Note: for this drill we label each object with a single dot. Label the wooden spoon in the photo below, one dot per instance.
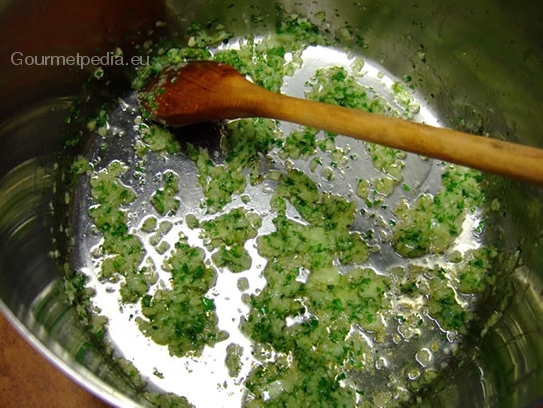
(204, 91)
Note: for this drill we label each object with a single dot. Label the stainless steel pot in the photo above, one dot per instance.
(479, 65)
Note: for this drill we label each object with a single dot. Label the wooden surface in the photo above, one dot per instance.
(27, 379)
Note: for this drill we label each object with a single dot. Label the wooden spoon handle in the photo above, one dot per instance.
(508, 159)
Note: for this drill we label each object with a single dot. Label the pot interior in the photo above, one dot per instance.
(474, 68)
